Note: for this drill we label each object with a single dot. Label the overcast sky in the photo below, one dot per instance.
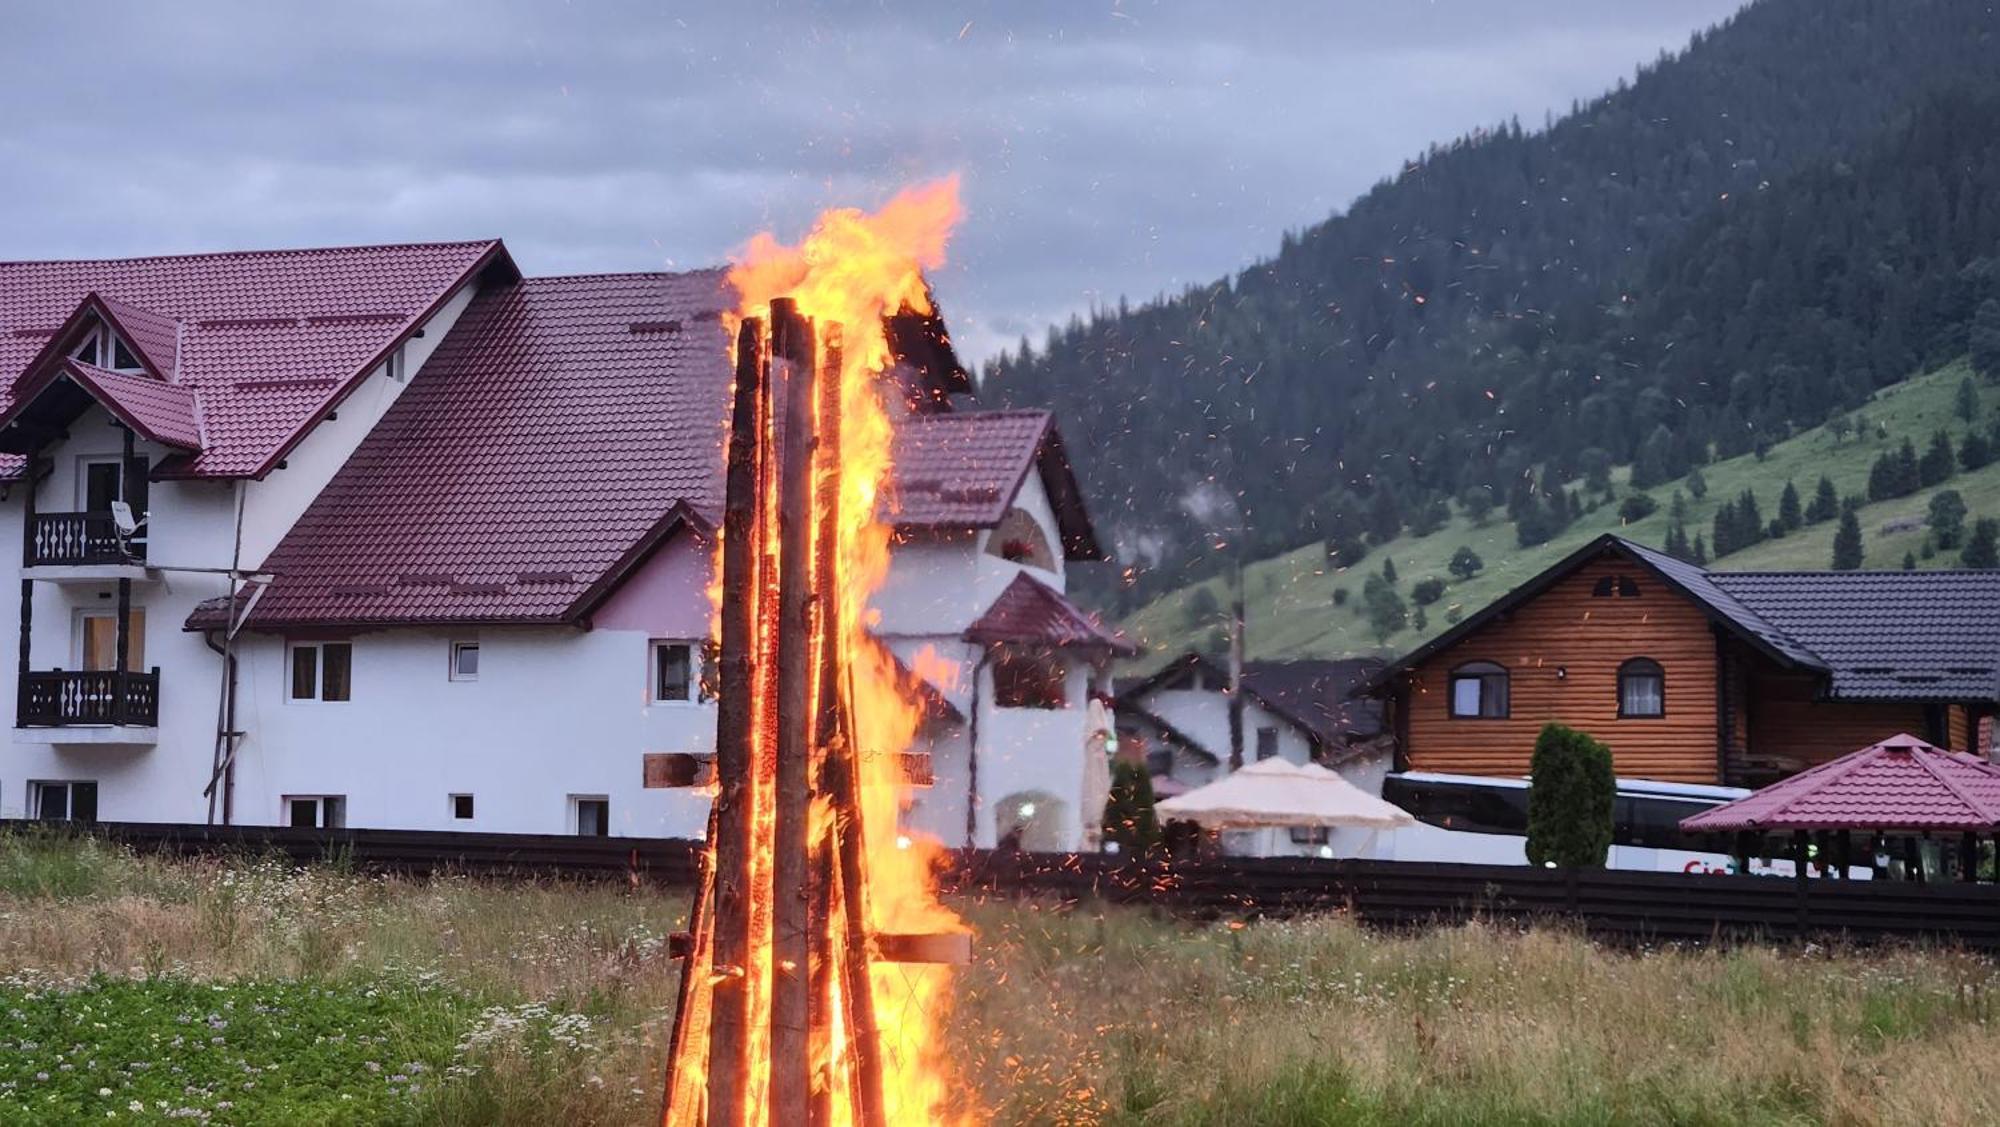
(1107, 148)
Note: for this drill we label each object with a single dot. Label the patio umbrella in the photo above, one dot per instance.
(1099, 738)
(1279, 794)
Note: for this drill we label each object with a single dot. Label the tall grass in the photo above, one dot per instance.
(1080, 1015)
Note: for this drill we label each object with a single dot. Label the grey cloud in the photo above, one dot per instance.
(1107, 148)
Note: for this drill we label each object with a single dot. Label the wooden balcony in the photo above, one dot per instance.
(78, 540)
(89, 698)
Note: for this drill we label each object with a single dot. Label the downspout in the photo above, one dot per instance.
(225, 705)
(972, 756)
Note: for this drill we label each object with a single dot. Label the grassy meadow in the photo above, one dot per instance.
(1289, 599)
(151, 991)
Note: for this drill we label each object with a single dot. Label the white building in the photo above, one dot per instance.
(1177, 722)
(478, 509)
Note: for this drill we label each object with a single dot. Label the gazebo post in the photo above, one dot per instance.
(1843, 854)
(1913, 860)
(1799, 850)
(1742, 852)
(1968, 858)
(1996, 857)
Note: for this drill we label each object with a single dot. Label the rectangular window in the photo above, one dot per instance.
(673, 672)
(461, 807)
(100, 484)
(1267, 743)
(315, 811)
(593, 817)
(65, 801)
(398, 365)
(465, 661)
(1029, 681)
(1311, 835)
(323, 671)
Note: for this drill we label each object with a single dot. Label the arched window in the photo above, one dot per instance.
(1018, 538)
(1479, 689)
(1642, 688)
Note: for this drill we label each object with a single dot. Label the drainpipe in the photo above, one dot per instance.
(225, 706)
(972, 756)
(1236, 674)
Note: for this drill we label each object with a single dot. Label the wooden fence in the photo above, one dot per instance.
(1630, 907)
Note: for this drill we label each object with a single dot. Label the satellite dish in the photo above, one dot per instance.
(122, 519)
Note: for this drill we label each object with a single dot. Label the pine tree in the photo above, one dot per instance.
(1985, 338)
(1938, 461)
(1677, 542)
(1968, 401)
(1129, 817)
(1825, 503)
(1847, 551)
(1700, 556)
(1385, 608)
(1975, 452)
(1909, 561)
(1789, 513)
(1723, 529)
(1389, 568)
(1750, 523)
(1982, 550)
(1946, 518)
(1697, 484)
(1909, 478)
(1571, 792)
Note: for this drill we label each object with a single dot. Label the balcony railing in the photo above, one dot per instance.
(62, 698)
(74, 539)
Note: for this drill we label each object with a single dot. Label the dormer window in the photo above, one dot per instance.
(101, 348)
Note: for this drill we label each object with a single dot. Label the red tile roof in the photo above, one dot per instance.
(1901, 783)
(1030, 612)
(562, 429)
(268, 340)
(164, 412)
(963, 470)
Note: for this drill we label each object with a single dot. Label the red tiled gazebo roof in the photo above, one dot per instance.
(1031, 613)
(1901, 783)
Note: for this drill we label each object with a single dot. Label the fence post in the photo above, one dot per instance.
(1800, 860)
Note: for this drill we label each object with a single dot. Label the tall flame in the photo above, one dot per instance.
(854, 269)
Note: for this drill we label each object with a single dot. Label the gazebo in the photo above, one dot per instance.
(1277, 794)
(1901, 786)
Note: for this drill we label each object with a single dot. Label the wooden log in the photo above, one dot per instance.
(736, 717)
(687, 1045)
(826, 714)
(791, 948)
(951, 948)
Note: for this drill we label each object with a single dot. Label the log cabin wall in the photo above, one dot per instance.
(1790, 730)
(1568, 628)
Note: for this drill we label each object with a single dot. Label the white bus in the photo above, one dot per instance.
(1477, 819)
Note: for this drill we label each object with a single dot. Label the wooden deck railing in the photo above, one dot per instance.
(62, 698)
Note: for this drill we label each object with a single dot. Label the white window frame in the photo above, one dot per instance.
(83, 464)
(453, 670)
(99, 349)
(137, 626)
(35, 794)
(397, 365)
(451, 806)
(653, 648)
(320, 810)
(1276, 742)
(319, 673)
(576, 802)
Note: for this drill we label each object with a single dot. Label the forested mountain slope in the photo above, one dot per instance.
(1800, 208)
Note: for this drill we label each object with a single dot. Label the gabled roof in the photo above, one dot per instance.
(1901, 783)
(1317, 697)
(270, 341)
(1128, 710)
(562, 431)
(1919, 636)
(163, 412)
(1031, 613)
(963, 470)
(1721, 608)
(1894, 635)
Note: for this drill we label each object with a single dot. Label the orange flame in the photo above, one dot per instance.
(854, 269)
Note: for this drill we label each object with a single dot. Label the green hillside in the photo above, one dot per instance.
(1290, 599)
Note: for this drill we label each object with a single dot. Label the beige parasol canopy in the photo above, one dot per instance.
(1277, 793)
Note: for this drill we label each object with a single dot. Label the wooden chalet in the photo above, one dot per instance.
(1699, 676)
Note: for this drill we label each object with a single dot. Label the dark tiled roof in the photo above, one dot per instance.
(963, 470)
(1706, 588)
(1886, 634)
(1318, 695)
(1928, 636)
(1030, 612)
(268, 340)
(546, 444)
(1901, 783)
